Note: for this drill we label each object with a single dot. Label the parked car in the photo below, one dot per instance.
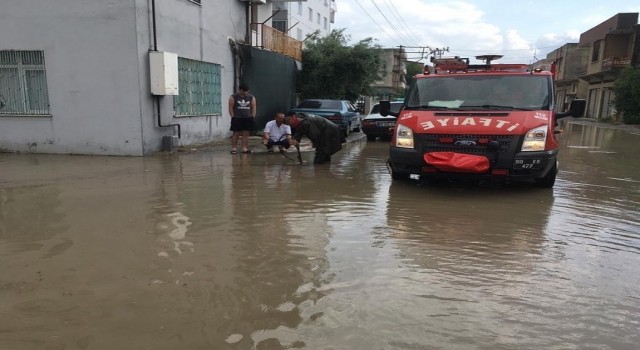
(374, 125)
(341, 112)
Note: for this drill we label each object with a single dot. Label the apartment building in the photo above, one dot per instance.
(394, 75)
(568, 59)
(612, 46)
(300, 19)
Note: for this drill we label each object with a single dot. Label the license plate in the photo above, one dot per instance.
(527, 163)
(384, 124)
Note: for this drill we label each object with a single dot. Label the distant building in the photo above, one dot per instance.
(568, 59)
(393, 82)
(301, 18)
(612, 46)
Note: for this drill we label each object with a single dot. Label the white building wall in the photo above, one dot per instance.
(96, 56)
(304, 15)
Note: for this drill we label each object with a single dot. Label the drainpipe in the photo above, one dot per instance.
(155, 48)
(247, 36)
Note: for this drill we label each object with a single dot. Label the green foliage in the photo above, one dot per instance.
(627, 95)
(413, 68)
(334, 70)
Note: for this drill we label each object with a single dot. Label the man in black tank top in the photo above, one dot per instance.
(242, 108)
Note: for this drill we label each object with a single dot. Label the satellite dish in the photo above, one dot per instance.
(488, 58)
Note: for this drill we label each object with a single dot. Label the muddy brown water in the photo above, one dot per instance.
(206, 250)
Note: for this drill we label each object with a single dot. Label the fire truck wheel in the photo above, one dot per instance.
(550, 179)
(399, 176)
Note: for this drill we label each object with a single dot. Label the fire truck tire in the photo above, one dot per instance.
(399, 176)
(550, 179)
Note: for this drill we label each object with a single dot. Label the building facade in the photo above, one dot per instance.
(394, 75)
(611, 47)
(128, 78)
(568, 59)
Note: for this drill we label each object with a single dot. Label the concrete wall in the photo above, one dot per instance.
(96, 56)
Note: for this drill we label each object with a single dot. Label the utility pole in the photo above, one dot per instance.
(437, 52)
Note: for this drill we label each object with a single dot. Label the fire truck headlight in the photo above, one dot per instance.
(535, 139)
(404, 137)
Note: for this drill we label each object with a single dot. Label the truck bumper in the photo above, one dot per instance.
(520, 166)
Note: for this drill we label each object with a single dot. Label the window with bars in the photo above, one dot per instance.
(199, 88)
(23, 83)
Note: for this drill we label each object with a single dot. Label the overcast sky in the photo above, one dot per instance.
(520, 30)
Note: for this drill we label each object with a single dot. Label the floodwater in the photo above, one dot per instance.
(206, 250)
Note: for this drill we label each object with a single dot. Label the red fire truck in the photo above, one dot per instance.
(478, 121)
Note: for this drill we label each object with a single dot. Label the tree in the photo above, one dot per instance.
(627, 95)
(413, 68)
(331, 69)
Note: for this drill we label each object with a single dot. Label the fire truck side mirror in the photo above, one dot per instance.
(576, 109)
(385, 109)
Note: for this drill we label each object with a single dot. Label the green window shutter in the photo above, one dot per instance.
(199, 90)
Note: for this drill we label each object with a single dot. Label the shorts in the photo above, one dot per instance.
(241, 124)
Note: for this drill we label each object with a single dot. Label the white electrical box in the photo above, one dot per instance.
(163, 68)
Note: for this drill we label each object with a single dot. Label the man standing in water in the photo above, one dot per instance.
(325, 135)
(242, 108)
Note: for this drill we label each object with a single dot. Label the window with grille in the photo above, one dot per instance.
(199, 88)
(23, 83)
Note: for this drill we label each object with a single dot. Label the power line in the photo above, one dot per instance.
(399, 17)
(374, 21)
(393, 27)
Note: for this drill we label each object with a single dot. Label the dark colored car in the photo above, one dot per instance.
(341, 112)
(374, 125)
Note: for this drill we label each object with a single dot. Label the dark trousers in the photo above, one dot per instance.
(284, 143)
(321, 157)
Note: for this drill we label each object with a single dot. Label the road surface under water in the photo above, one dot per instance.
(208, 250)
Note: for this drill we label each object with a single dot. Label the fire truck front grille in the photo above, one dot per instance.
(477, 144)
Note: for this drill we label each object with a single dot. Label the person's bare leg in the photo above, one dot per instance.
(245, 140)
(234, 140)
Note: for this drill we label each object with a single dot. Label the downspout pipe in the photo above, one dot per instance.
(155, 48)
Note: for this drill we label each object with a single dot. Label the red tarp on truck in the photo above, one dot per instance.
(457, 162)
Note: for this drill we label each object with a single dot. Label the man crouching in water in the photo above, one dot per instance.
(325, 136)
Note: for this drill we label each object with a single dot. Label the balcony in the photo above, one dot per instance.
(615, 62)
(268, 38)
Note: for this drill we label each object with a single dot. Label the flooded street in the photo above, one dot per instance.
(207, 250)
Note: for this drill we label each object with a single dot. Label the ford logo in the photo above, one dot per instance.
(465, 143)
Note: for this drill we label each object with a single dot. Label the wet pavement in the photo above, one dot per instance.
(200, 249)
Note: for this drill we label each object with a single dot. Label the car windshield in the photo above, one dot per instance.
(320, 104)
(521, 92)
(395, 107)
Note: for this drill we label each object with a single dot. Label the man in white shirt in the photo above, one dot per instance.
(276, 132)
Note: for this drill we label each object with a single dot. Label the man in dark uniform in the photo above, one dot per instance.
(242, 108)
(325, 135)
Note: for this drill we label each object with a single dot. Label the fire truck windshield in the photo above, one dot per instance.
(527, 92)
